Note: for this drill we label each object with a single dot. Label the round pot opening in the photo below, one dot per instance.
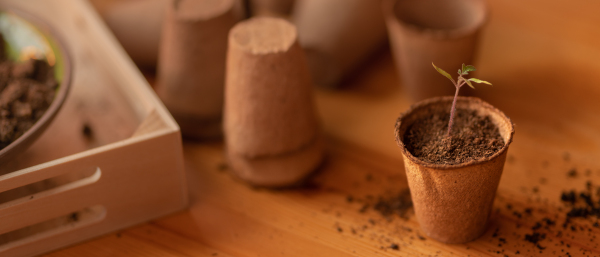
(425, 107)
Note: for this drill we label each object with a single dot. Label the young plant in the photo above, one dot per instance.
(460, 81)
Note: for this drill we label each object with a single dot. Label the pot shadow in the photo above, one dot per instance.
(352, 170)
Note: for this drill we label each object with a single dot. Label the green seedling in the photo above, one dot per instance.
(460, 81)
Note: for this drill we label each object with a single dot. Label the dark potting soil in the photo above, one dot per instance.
(473, 137)
(26, 91)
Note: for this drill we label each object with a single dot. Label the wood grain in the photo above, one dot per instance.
(542, 57)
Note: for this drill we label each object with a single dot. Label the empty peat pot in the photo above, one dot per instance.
(272, 133)
(426, 31)
(453, 202)
(191, 64)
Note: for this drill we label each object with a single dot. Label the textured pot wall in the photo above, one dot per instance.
(453, 206)
(272, 133)
(453, 202)
(191, 70)
(429, 34)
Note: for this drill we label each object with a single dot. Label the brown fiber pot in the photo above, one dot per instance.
(272, 133)
(453, 202)
(191, 64)
(425, 31)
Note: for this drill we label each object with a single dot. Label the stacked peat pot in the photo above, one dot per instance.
(271, 131)
(425, 31)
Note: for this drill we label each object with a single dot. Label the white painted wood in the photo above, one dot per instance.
(139, 168)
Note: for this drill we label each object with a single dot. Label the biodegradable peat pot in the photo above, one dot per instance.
(272, 134)
(191, 68)
(453, 202)
(338, 35)
(426, 31)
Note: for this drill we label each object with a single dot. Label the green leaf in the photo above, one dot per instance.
(466, 69)
(469, 83)
(459, 72)
(480, 81)
(469, 68)
(443, 73)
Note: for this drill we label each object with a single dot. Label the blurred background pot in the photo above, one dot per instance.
(453, 202)
(338, 35)
(191, 70)
(438, 31)
(137, 24)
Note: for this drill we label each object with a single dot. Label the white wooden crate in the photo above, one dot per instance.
(71, 186)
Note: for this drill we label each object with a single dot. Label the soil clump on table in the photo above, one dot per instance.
(26, 91)
(472, 138)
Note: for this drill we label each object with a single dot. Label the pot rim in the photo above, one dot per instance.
(390, 5)
(433, 100)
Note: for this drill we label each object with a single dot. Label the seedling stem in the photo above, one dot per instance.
(460, 81)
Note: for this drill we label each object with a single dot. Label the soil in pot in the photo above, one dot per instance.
(26, 91)
(473, 137)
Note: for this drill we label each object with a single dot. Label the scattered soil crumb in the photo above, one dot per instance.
(74, 217)
(397, 204)
(572, 173)
(566, 156)
(87, 131)
(535, 237)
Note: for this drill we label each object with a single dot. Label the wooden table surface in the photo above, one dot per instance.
(543, 57)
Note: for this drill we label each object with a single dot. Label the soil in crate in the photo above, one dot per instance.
(26, 91)
(473, 137)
